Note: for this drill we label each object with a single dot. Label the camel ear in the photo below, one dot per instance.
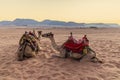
(33, 31)
(70, 33)
(52, 34)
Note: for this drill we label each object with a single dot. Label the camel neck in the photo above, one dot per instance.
(55, 46)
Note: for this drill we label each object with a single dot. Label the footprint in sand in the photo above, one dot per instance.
(109, 65)
(82, 79)
(43, 78)
(65, 74)
(7, 78)
(62, 78)
(30, 72)
(56, 75)
(54, 69)
(50, 65)
(117, 64)
(118, 72)
(92, 78)
(102, 76)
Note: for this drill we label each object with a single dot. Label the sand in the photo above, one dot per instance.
(106, 43)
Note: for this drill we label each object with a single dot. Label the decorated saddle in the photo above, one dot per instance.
(28, 38)
(76, 46)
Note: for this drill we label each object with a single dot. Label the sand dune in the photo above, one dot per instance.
(106, 42)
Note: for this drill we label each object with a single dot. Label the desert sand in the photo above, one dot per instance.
(106, 43)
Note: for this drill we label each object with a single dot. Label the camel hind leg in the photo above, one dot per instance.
(25, 52)
(20, 52)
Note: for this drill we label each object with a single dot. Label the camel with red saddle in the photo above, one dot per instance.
(73, 48)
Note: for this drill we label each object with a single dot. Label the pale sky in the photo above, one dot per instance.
(89, 11)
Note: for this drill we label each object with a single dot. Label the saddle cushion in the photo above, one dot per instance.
(76, 46)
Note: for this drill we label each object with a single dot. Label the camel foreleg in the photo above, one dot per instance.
(94, 58)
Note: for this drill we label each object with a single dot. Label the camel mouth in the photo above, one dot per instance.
(40, 32)
(43, 35)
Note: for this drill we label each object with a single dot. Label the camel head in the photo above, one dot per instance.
(39, 33)
(48, 35)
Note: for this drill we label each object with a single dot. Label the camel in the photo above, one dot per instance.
(29, 45)
(65, 53)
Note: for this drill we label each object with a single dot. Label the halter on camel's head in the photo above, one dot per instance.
(48, 35)
(39, 32)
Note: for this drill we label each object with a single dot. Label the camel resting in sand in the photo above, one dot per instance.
(29, 45)
(64, 53)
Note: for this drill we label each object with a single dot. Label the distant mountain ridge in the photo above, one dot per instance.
(52, 23)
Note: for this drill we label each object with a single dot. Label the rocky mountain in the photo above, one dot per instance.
(52, 23)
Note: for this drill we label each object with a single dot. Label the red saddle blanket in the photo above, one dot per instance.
(76, 45)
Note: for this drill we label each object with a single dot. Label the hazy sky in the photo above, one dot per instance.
(107, 11)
